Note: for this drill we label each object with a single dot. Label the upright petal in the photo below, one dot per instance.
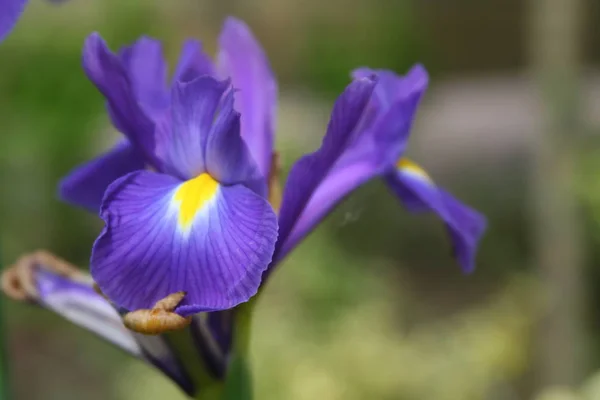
(10, 11)
(181, 139)
(242, 59)
(396, 95)
(418, 193)
(86, 184)
(392, 87)
(110, 76)
(311, 170)
(228, 159)
(147, 70)
(163, 236)
(193, 63)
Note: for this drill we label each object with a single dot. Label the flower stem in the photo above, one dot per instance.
(238, 385)
(214, 392)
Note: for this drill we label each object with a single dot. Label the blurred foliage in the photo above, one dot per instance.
(590, 390)
(379, 38)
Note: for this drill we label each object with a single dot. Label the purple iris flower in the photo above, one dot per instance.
(10, 11)
(199, 222)
(184, 196)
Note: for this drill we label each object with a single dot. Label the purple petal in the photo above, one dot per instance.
(242, 59)
(181, 140)
(418, 193)
(85, 185)
(193, 63)
(110, 76)
(392, 87)
(10, 11)
(228, 159)
(383, 135)
(338, 184)
(311, 170)
(163, 236)
(147, 71)
(80, 304)
(399, 96)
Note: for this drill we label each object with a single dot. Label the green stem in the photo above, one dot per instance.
(238, 385)
(243, 327)
(210, 393)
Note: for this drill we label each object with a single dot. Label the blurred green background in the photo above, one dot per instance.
(371, 306)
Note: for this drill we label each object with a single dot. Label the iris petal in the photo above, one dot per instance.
(181, 139)
(80, 304)
(228, 158)
(147, 70)
(420, 194)
(203, 134)
(144, 253)
(110, 76)
(242, 59)
(193, 63)
(392, 87)
(10, 11)
(85, 185)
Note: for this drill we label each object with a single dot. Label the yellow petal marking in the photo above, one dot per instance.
(192, 195)
(406, 165)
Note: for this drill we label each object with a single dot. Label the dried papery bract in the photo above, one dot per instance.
(160, 318)
(11, 285)
(18, 280)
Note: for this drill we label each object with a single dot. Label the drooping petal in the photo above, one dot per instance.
(10, 11)
(163, 236)
(110, 76)
(242, 59)
(85, 185)
(384, 133)
(310, 171)
(181, 139)
(193, 63)
(145, 64)
(419, 193)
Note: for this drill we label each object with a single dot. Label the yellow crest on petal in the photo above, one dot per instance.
(192, 196)
(409, 167)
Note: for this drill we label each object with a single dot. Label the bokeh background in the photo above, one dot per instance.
(371, 306)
